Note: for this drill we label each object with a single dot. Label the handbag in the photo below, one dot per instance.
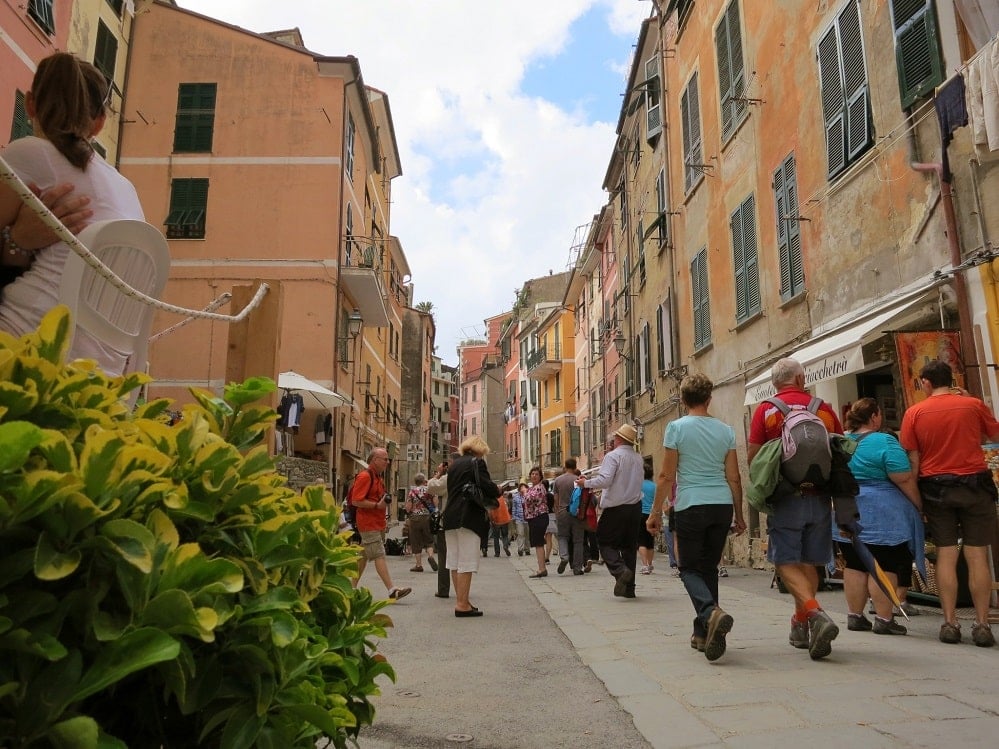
(473, 491)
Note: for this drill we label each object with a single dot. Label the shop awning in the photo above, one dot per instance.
(835, 354)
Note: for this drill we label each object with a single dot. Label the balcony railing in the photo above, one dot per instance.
(543, 362)
(361, 277)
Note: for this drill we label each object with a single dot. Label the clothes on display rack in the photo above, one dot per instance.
(952, 112)
(983, 97)
(324, 428)
(290, 412)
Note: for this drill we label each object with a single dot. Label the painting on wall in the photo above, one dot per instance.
(917, 348)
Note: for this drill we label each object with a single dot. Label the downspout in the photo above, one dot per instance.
(337, 443)
(972, 374)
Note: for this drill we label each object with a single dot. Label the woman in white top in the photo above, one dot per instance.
(68, 106)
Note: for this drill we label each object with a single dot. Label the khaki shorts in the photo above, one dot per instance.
(374, 544)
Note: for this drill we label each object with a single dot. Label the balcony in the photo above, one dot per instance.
(543, 363)
(361, 279)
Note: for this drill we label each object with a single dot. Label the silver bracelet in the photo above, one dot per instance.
(9, 245)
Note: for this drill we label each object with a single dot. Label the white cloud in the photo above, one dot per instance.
(494, 182)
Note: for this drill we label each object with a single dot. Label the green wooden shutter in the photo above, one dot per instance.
(792, 277)
(917, 49)
(690, 115)
(731, 69)
(855, 89)
(833, 103)
(699, 287)
(106, 51)
(20, 125)
(653, 108)
(750, 256)
(739, 264)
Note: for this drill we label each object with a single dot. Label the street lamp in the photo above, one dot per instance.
(619, 343)
(354, 323)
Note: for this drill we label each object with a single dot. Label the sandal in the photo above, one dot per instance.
(417, 568)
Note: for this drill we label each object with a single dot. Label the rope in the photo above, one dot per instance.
(8, 177)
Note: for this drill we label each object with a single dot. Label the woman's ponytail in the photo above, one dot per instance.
(68, 95)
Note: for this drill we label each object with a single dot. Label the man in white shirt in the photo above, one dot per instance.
(620, 479)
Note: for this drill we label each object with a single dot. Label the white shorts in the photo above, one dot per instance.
(463, 550)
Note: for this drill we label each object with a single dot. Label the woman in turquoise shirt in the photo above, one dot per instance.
(890, 516)
(700, 457)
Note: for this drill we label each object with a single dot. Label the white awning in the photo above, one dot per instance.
(834, 355)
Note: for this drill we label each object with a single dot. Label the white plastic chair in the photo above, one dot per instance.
(138, 254)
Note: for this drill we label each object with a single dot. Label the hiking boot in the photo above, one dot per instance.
(858, 623)
(981, 635)
(697, 643)
(588, 567)
(950, 633)
(624, 581)
(562, 565)
(507, 550)
(822, 630)
(719, 625)
(889, 627)
(799, 634)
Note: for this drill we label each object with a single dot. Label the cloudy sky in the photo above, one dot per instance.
(505, 115)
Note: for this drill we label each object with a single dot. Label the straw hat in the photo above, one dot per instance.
(628, 433)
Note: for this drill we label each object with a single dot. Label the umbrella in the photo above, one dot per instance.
(323, 395)
(853, 531)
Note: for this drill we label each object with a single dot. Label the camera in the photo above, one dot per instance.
(387, 498)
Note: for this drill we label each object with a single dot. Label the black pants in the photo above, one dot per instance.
(700, 532)
(617, 534)
(443, 573)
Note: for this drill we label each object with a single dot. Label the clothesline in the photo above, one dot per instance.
(963, 67)
(8, 176)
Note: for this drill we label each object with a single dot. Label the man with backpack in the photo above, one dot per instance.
(370, 500)
(571, 529)
(799, 526)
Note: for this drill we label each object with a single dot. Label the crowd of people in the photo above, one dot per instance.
(874, 496)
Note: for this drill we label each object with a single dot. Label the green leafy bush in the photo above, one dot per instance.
(160, 586)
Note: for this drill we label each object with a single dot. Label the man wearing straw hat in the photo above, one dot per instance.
(620, 479)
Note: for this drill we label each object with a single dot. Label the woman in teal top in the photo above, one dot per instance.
(646, 541)
(890, 519)
(700, 457)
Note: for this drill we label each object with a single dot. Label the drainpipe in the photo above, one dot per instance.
(972, 374)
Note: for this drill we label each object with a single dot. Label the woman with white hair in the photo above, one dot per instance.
(466, 521)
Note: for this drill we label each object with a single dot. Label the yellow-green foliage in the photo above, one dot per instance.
(160, 585)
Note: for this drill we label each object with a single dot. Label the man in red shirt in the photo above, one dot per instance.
(368, 497)
(800, 526)
(943, 435)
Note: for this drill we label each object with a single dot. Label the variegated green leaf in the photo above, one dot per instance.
(17, 440)
(52, 563)
(134, 542)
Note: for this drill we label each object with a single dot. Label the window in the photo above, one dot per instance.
(195, 118)
(702, 309)
(643, 350)
(106, 51)
(475, 392)
(846, 107)
(792, 274)
(474, 425)
(20, 125)
(690, 119)
(116, 5)
(731, 70)
(348, 148)
(653, 110)
(534, 392)
(558, 386)
(555, 447)
(640, 251)
(188, 207)
(664, 330)
(41, 12)
(661, 225)
(349, 233)
(745, 260)
(464, 395)
(917, 49)
(546, 395)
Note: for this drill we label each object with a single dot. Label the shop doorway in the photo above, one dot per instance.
(880, 385)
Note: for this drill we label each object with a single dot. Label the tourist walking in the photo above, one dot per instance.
(419, 507)
(699, 457)
(536, 515)
(620, 478)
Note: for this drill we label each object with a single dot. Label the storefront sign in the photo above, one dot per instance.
(918, 348)
(827, 368)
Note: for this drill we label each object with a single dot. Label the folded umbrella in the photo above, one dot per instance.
(852, 530)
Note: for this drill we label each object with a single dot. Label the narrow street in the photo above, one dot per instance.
(559, 662)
